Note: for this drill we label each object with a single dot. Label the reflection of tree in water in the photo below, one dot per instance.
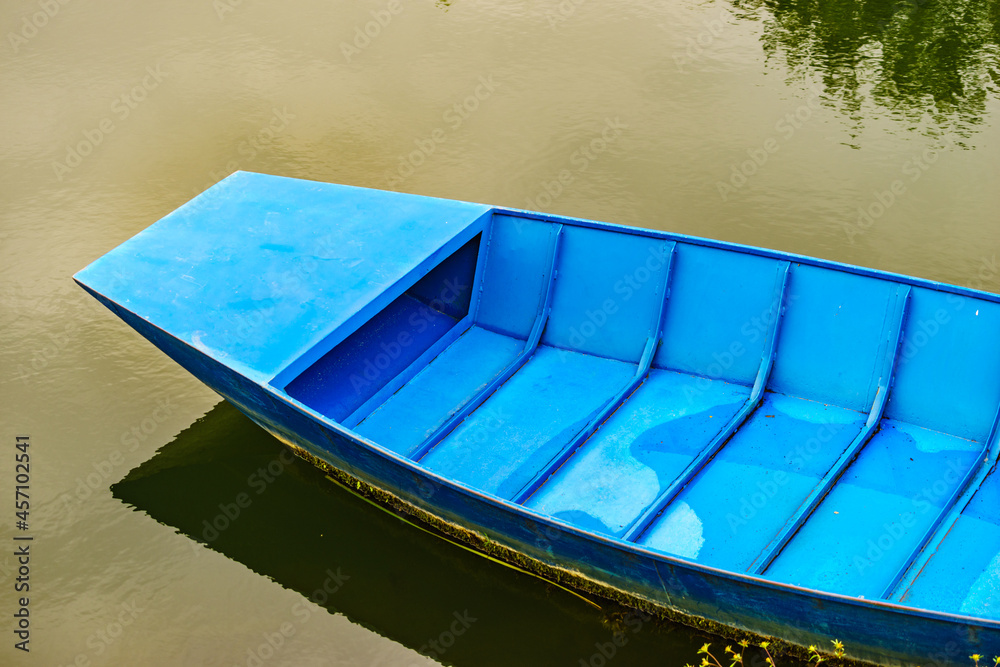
(912, 57)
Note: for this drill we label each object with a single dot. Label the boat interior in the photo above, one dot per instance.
(820, 426)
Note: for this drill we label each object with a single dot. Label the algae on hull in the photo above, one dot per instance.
(559, 576)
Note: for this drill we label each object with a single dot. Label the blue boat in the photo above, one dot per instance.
(762, 442)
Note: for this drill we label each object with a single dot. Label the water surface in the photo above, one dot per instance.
(860, 132)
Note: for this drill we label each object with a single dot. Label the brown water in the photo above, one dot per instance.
(861, 133)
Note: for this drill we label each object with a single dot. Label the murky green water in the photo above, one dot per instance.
(865, 133)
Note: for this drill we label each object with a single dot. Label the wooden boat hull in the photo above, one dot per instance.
(261, 382)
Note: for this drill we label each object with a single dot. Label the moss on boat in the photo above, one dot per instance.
(559, 576)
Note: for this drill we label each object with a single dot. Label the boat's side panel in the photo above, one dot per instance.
(948, 378)
(831, 336)
(717, 315)
(243, 393)
(758, 251)
(516, 274)
(876, 633)
(608, 293)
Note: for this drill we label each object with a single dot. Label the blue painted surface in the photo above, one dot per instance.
(673, 415)
(758, 479)
(368, 359)
(528, 420)
(516, 275)
(344, 380)
(885, 369)
(262, 252)
(718, 314)
(664, 262)
(422, 405)
(830, 337)
(871, 521)
(606, 298)
(949, 363)
(964, 575)
(764, 368)
(644, 446)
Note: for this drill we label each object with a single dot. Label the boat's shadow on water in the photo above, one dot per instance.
(229, 485)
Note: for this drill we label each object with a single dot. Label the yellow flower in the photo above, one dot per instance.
(704, 649)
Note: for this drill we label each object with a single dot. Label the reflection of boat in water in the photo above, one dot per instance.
(312, 537)
(783, 445)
